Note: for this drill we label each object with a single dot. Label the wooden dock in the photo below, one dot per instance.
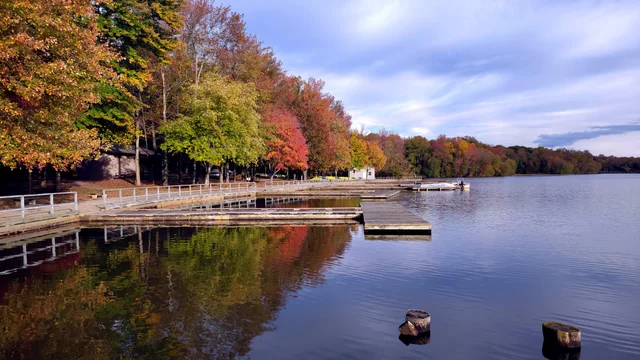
(392, 218)
(379, 194)
(291, 216)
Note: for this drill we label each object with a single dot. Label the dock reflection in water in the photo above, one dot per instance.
(163, 292)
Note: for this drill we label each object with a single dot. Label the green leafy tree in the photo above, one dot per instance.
(221, 124)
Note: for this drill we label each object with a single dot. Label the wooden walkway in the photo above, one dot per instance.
(392, 218)
(292, 216)
(380, 194)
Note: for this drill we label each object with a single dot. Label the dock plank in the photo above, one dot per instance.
(391, 217)
(380, 194)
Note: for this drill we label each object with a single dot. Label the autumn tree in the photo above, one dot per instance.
(375, 155)
(286, 146)
(359, 155)
(50, 66)
(313, 108)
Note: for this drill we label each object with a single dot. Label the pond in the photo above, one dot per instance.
(504, 257)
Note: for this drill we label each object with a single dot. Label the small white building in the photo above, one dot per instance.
(365, 174)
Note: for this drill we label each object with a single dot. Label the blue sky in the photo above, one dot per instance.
(551, 73)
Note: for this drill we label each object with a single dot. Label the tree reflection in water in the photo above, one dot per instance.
(166, 292)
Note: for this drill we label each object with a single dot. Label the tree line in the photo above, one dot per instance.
(185, 78)
(466, 156)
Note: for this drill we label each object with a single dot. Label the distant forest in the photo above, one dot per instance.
(466, 156)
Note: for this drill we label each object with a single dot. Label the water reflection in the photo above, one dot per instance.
(555, 353)
(164, 292)
(38, 250)
(421, 339)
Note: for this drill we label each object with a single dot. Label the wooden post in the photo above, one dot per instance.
(22, 209)
(51, 202)
(75, 201)
(561, 335)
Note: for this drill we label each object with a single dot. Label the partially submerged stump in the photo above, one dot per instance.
(420, 319)
(408, 329)
(561, 335)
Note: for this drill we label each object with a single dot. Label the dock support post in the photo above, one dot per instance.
(51, 202)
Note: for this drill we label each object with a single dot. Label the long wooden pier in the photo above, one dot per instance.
(292, 216)
(392, 218)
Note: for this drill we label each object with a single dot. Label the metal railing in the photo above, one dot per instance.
(114, 198)
(28, 205)
(281, 185)
(397, 178)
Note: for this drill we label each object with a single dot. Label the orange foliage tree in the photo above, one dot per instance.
(50, 64)
(287, 147)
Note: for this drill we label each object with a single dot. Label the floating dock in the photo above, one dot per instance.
(379, 195)
(392, 218)
(308, 216)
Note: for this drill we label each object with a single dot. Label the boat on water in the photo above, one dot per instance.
(458, 184)
(438, 186)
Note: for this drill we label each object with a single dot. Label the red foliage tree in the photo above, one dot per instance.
(287, 145)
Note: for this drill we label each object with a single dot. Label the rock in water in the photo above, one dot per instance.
(561, 335)
(407, 328)
(420, 319)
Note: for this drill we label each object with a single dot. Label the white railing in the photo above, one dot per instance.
(397, 178)
(114, 198)
(24, 206)
(279, 185)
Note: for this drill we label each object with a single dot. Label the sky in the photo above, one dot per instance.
(512, 72)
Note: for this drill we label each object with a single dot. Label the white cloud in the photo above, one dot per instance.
(503, 71)
(618, 145)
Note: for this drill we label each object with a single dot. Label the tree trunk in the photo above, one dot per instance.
(304, 175)
(165, 156)
(206, 179)
(560, 335)
(195, 175)
(221, 173)
(30, 181)
(138, 182)
(273, 174)
(154, 143)
(227, 175)
(43, 181)
(180, 171)
(58, 181)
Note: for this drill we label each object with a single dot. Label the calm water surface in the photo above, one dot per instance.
(504, 257)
